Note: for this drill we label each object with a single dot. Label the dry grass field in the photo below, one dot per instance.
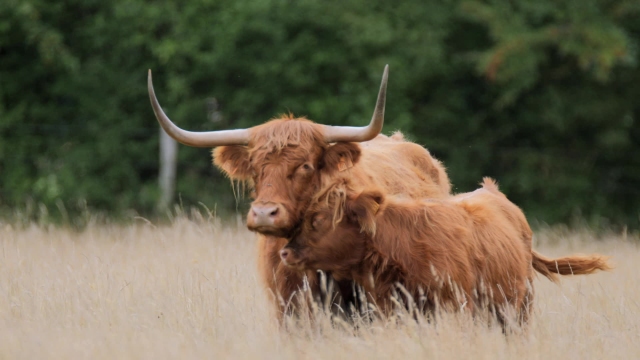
(190, 290)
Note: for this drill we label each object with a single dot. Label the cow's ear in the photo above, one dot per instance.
(234, 160)
(363, 209)
(340, 156)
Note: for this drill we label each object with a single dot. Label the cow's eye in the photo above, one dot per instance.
(303, 171)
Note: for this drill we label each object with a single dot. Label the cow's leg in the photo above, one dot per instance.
(349, 300)
(345, 299)
(268, 261)
(527, 304)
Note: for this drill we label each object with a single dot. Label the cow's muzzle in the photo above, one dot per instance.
(267, 218)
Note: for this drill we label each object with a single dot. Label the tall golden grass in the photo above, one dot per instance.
(190, 290)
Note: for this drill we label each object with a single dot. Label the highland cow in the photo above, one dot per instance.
(287, 160)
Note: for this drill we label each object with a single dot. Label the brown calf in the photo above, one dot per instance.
(466, 251)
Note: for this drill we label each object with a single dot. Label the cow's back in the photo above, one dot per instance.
(399, 167)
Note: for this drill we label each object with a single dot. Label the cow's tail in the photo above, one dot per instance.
(569, 265)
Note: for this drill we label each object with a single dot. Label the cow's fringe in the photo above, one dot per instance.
(335, 197)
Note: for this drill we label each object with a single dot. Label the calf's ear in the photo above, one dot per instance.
(363, 209)
(340, 156)
(234, 161)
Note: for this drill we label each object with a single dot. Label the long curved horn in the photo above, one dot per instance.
(364, 133)
(195, 139)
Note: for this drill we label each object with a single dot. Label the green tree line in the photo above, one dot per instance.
(542, 95)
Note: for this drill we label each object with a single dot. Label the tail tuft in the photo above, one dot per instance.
(569, 265)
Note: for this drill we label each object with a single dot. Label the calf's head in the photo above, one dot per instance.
(282, 160)
(336, 231)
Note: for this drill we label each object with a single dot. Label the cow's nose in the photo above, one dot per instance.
(284, 255)
(265, 215)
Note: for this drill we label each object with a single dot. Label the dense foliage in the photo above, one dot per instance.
(542, 95)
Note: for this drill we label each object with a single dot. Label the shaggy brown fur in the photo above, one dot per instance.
(287, 161)
(465, 251)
